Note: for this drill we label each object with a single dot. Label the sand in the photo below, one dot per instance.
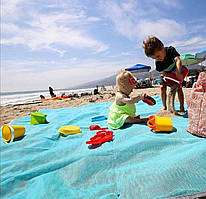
(11, 112)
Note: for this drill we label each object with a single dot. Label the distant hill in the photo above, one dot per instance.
(110, 81)
(153, 74)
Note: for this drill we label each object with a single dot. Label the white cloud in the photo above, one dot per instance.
(9, 9)
(122, 16)
(191, 45)
(168, 3)
(133, 22)
(191, 41)
(173, 3)
(93, 19)
(60, 74)
(74, 59)
(51, 30)
(163, 28)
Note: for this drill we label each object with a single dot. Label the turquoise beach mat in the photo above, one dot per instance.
(136, 164)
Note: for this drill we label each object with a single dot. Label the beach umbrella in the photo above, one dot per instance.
(189, 59)
(201, 54)
(140, 80)
(138, 68)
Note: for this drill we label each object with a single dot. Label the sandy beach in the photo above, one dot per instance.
(12, 112)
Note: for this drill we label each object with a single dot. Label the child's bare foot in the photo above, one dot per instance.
(182, 110)
(135, 120)
(164, 108)
(174, 112)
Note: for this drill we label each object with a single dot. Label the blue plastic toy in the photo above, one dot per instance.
(98, 118)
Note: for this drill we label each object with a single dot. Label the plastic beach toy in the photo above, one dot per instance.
(160, 124)
(69, 129)
(96, 127)
(50, 99)
(149, 100)
(9, 132)
(171, 78)
(38, 118)
(101, 137)
(98, 118)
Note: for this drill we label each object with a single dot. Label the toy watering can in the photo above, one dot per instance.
(160, 124)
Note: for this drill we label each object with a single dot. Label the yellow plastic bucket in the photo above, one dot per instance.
(9, 132)
(160, 124)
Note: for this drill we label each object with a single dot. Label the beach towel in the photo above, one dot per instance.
(196, 103)
(136, 164)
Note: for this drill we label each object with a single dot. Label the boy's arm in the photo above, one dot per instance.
(178, 68)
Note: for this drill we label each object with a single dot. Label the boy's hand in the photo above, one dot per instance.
(163, 73)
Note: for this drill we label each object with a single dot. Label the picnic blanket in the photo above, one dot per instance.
(138, 163)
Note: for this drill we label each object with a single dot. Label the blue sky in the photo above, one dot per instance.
(63, 43)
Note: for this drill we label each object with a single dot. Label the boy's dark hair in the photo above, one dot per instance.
(150, 45)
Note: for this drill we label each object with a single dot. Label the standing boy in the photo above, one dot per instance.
(166, 60)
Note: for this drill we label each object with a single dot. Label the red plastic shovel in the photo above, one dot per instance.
(101, 137)
(96, 127)
(149, 100)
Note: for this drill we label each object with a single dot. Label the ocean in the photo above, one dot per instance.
(23, 97)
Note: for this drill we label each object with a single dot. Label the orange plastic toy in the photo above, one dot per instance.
(160, 124)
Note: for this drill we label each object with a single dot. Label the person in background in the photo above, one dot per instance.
(96, 90)
(42, 97)
(51, 92)
(103, 88)
(196, 76)
(190, 82)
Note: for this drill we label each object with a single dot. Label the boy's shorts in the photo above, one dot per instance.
(168, 82)
(162, 81)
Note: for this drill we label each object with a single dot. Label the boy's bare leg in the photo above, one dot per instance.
(163, 90)
(135, 120)
(181, 99)
(171, 98)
